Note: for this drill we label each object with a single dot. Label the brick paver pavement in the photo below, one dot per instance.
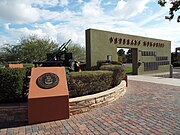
(146, 109)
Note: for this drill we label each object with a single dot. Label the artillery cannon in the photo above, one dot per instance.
(61, 57)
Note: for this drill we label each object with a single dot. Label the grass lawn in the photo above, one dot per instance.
(128, 70)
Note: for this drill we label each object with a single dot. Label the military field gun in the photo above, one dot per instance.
(61, 57)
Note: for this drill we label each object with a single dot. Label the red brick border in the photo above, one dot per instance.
(13, 113)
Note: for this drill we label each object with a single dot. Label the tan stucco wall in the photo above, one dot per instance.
(100, 43)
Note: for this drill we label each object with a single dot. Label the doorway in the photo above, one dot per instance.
(129, 58)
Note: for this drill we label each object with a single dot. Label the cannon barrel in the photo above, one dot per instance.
(56, 59)
(61, 46)
(62, 49)
(64, 46)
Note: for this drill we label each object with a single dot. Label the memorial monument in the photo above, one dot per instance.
(149, 55)
(48, 98)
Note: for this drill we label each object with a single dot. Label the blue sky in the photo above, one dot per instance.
(61, 20)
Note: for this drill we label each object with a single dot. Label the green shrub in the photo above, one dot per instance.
(106, 62)
(100, 63)
(89, 82)
(118, 73)
(2, 66)
(11, 84)
(110, 67)
(14, 84)
(28, 65)
(26, 83)
(176, 64)
(128, 70)
(94, 68)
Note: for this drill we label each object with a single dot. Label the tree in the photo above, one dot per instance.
(79, 52)
(8, 53)
(129, 56)
(121, 52)
(175, 7)
(28, 50)
(121, 55)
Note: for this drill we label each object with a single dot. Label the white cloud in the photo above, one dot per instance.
(44, 3)
(153, 17)
(70, 24)
(6, 26)
(121, 4)
(165, 30)
(18, 33)
(92, 9)
(4, 40)
(64, 2)
(108, 3)
(70, 31)
(18, 11)
(15, 34)
(130, 8)
(65, 15)
(80, 1)
(47, 29)
(47, 15)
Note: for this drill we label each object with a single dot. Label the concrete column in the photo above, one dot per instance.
(135, 61)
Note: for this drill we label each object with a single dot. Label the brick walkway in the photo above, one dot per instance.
(146, 109)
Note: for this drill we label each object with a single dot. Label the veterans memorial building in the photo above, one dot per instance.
(149, 55)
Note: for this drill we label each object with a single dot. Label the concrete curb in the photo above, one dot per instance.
(152, 79)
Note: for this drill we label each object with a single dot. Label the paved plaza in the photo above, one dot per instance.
(146, 109)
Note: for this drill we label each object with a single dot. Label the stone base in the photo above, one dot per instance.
(48, 109)
(48, 104)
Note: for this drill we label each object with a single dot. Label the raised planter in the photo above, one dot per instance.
(15, 113)
(89, 102)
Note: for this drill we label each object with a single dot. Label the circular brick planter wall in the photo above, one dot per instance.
(89, 102)
(13, 113)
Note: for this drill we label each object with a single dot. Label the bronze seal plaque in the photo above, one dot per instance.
(47, 80)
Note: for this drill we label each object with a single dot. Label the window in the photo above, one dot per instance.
(149, 66)
(109, 57)
(148, 53)
(159, 58)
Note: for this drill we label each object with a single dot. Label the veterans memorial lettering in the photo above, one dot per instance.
(119, 40)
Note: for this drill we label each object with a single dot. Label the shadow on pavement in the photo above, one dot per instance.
(11, 125)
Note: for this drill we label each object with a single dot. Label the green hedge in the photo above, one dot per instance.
(106, 62)
(28, 65)
(11, 84)
(89, 82)
(176, 64)
(2, 66)
(14, 84)
(118, 73)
